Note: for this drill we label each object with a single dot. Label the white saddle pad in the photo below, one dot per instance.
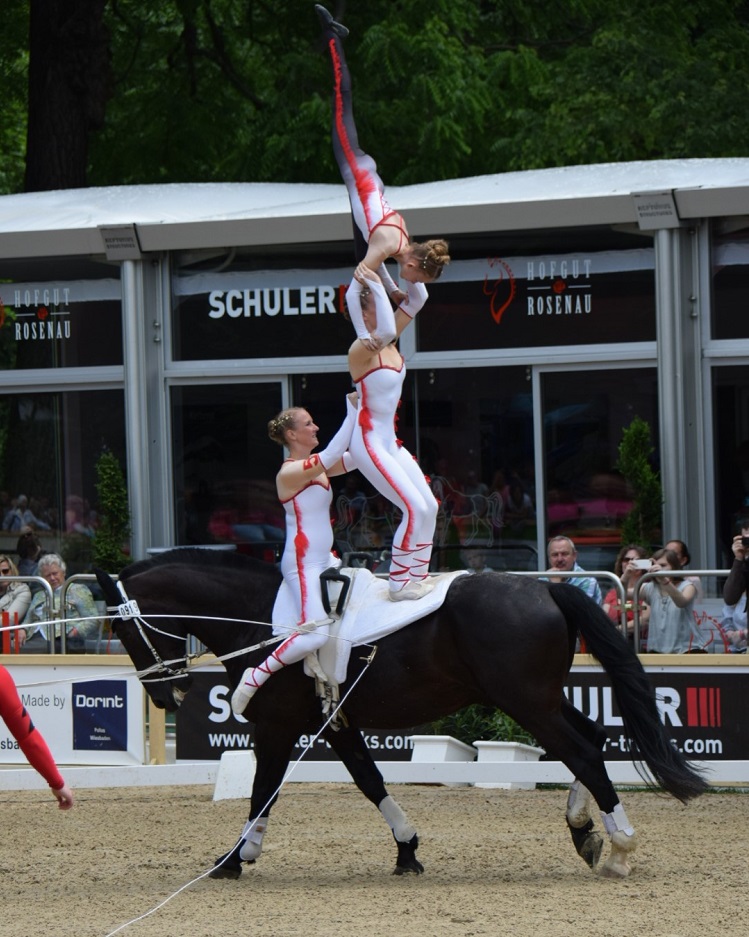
(369, 615)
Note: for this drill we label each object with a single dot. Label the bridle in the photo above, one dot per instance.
(162, 670)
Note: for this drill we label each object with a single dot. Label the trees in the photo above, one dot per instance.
(238, 90)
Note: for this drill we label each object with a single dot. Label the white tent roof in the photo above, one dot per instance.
(181, 216)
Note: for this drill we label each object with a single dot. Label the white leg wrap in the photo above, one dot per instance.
(617, 822)
(253, 834)
(397, 820)
(578, 804)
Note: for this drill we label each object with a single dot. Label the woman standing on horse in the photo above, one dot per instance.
(304, 490)
(379, 232)
(378, 453)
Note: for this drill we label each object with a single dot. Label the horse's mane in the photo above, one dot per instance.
(207, 559)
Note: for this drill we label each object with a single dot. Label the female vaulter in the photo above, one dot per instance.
(379, 232)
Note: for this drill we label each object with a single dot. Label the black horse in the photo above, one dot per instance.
(498, 639)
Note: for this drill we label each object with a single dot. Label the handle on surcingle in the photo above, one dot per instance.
(334, 575)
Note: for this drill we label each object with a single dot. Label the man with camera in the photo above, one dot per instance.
(735, 589)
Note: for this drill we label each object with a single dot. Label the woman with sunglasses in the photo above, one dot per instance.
(15, 597)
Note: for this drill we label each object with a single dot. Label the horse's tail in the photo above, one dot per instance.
(649, 741)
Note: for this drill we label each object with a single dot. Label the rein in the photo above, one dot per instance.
(129, 610)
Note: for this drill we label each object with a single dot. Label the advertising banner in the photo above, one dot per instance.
(96, 721)
(703, 707)
(206, 727)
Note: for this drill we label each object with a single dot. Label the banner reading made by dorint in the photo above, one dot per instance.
(206, 727)
(87, 716)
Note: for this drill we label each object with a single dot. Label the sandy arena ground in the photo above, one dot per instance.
(497, 863)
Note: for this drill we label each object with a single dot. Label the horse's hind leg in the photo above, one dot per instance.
(565, 736)
(587, 841)
(348, 743)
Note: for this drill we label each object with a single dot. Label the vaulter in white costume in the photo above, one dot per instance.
(378, 453)
(379, 232)
(304, 490)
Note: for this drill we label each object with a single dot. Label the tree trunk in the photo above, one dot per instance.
(69, 85)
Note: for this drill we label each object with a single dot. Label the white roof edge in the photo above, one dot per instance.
(193, 215)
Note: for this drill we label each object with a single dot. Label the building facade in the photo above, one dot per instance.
(169, 324)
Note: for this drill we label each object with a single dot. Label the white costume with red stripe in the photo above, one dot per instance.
(392, 470)
(309, 538)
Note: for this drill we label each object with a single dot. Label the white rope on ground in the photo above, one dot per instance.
(261, 813)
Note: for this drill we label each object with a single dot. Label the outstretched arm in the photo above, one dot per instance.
(30, 739)
(298, 473)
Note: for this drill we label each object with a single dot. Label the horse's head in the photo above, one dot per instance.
(183, 592)
(154, 639)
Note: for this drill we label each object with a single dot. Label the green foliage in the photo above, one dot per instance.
(230, 90)
(114, 516)
(481, 723)
(643, 523)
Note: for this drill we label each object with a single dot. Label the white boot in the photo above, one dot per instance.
(414, 590)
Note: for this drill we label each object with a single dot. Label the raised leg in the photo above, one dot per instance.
(348, 743)
(273, 746)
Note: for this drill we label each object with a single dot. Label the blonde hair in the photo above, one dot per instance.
(281, 423)
(433, 256)
(4, 558)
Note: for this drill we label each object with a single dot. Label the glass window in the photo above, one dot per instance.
(225, 465)
(49, 447)
(56, 314)
(731, 448)
(472, 431)
(730, 285)
(584, 413)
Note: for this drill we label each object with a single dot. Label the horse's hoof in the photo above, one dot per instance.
(590, 850)
(615, 869)
(588, 843)
(414, 867)
(227, 866)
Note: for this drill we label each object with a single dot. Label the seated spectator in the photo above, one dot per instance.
(78, 599)
(20, 515)
(15, 597)
(630, 575)
(562, 554)
(735, 591)
(29, 549)
(671, 627)
(519, 511)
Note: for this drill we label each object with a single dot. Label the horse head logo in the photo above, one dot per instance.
(501, 295)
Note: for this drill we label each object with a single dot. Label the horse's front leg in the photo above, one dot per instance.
(273, 749)
(348, 743)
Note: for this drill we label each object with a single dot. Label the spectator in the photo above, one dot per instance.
(629, 574)
(78, 599)
(680, 549)
(21, 515)
(671, 626)
(519, 512)
(563, 557)
(735, 591)
(29, 549)
(15, 597)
